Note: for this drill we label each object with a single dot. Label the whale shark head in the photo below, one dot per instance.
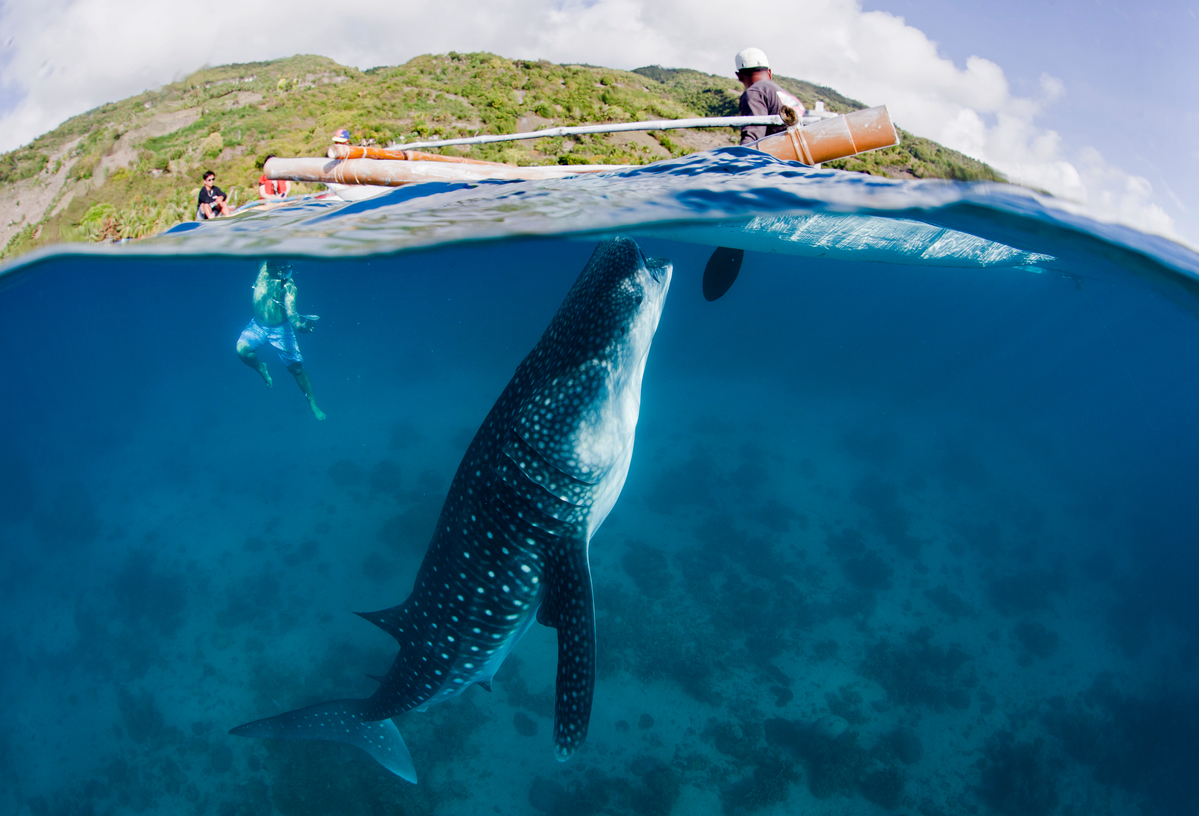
(582, 416)
(612, 311)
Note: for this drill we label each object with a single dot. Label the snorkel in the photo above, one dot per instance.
(279, 270)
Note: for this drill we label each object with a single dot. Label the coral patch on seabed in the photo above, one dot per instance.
(782, 663)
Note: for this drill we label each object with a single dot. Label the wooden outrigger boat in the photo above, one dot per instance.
(828, 139)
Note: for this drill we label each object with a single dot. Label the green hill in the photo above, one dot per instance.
(132, 168)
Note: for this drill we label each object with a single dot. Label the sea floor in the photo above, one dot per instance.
(806, 603)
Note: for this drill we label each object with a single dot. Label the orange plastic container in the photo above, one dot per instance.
(836, 138)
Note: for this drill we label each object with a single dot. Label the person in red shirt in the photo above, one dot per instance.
(269, 190)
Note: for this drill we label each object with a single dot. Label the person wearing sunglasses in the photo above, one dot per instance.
(211, 202)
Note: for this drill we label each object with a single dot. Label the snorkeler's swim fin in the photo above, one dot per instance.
(721, 271)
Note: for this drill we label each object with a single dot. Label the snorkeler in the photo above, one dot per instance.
(276, 321)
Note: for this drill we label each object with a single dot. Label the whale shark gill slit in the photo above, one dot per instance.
(511, 544)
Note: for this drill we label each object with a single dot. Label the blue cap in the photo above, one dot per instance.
(341, 136)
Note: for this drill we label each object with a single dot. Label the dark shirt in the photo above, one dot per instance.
(209, 198)
(761, 99)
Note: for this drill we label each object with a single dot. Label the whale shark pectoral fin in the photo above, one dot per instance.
(569, 608)
(339, 721)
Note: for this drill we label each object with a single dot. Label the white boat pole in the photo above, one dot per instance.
(617, 127)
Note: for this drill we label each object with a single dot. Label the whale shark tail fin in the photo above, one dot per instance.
(339, 721)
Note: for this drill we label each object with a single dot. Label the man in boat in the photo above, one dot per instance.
(762, 97)
(270, 190)
(276, 322)
(211, 201)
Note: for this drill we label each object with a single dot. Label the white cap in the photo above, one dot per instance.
(752, 58)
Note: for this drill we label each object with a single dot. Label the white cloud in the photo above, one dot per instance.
(66, 56)
(1053, 88)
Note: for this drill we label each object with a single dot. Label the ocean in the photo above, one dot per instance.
(909, 526)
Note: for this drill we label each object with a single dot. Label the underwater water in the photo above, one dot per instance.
(910, 534)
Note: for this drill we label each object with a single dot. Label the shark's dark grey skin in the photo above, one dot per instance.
(537, 481)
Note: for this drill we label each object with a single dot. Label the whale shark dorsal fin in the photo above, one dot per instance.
(390, 621)
(340, 721)
(569, 607)
(486, 684)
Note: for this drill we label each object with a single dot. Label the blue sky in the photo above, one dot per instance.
(1096, 102)
(1130, 73)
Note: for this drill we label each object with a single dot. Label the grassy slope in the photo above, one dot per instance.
(132, 168)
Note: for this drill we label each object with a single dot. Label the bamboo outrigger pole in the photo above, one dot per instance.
(828, 139)
(834, 138)
(616, 127)
(391, 173)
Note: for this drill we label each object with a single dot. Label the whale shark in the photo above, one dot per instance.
(511, 543)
